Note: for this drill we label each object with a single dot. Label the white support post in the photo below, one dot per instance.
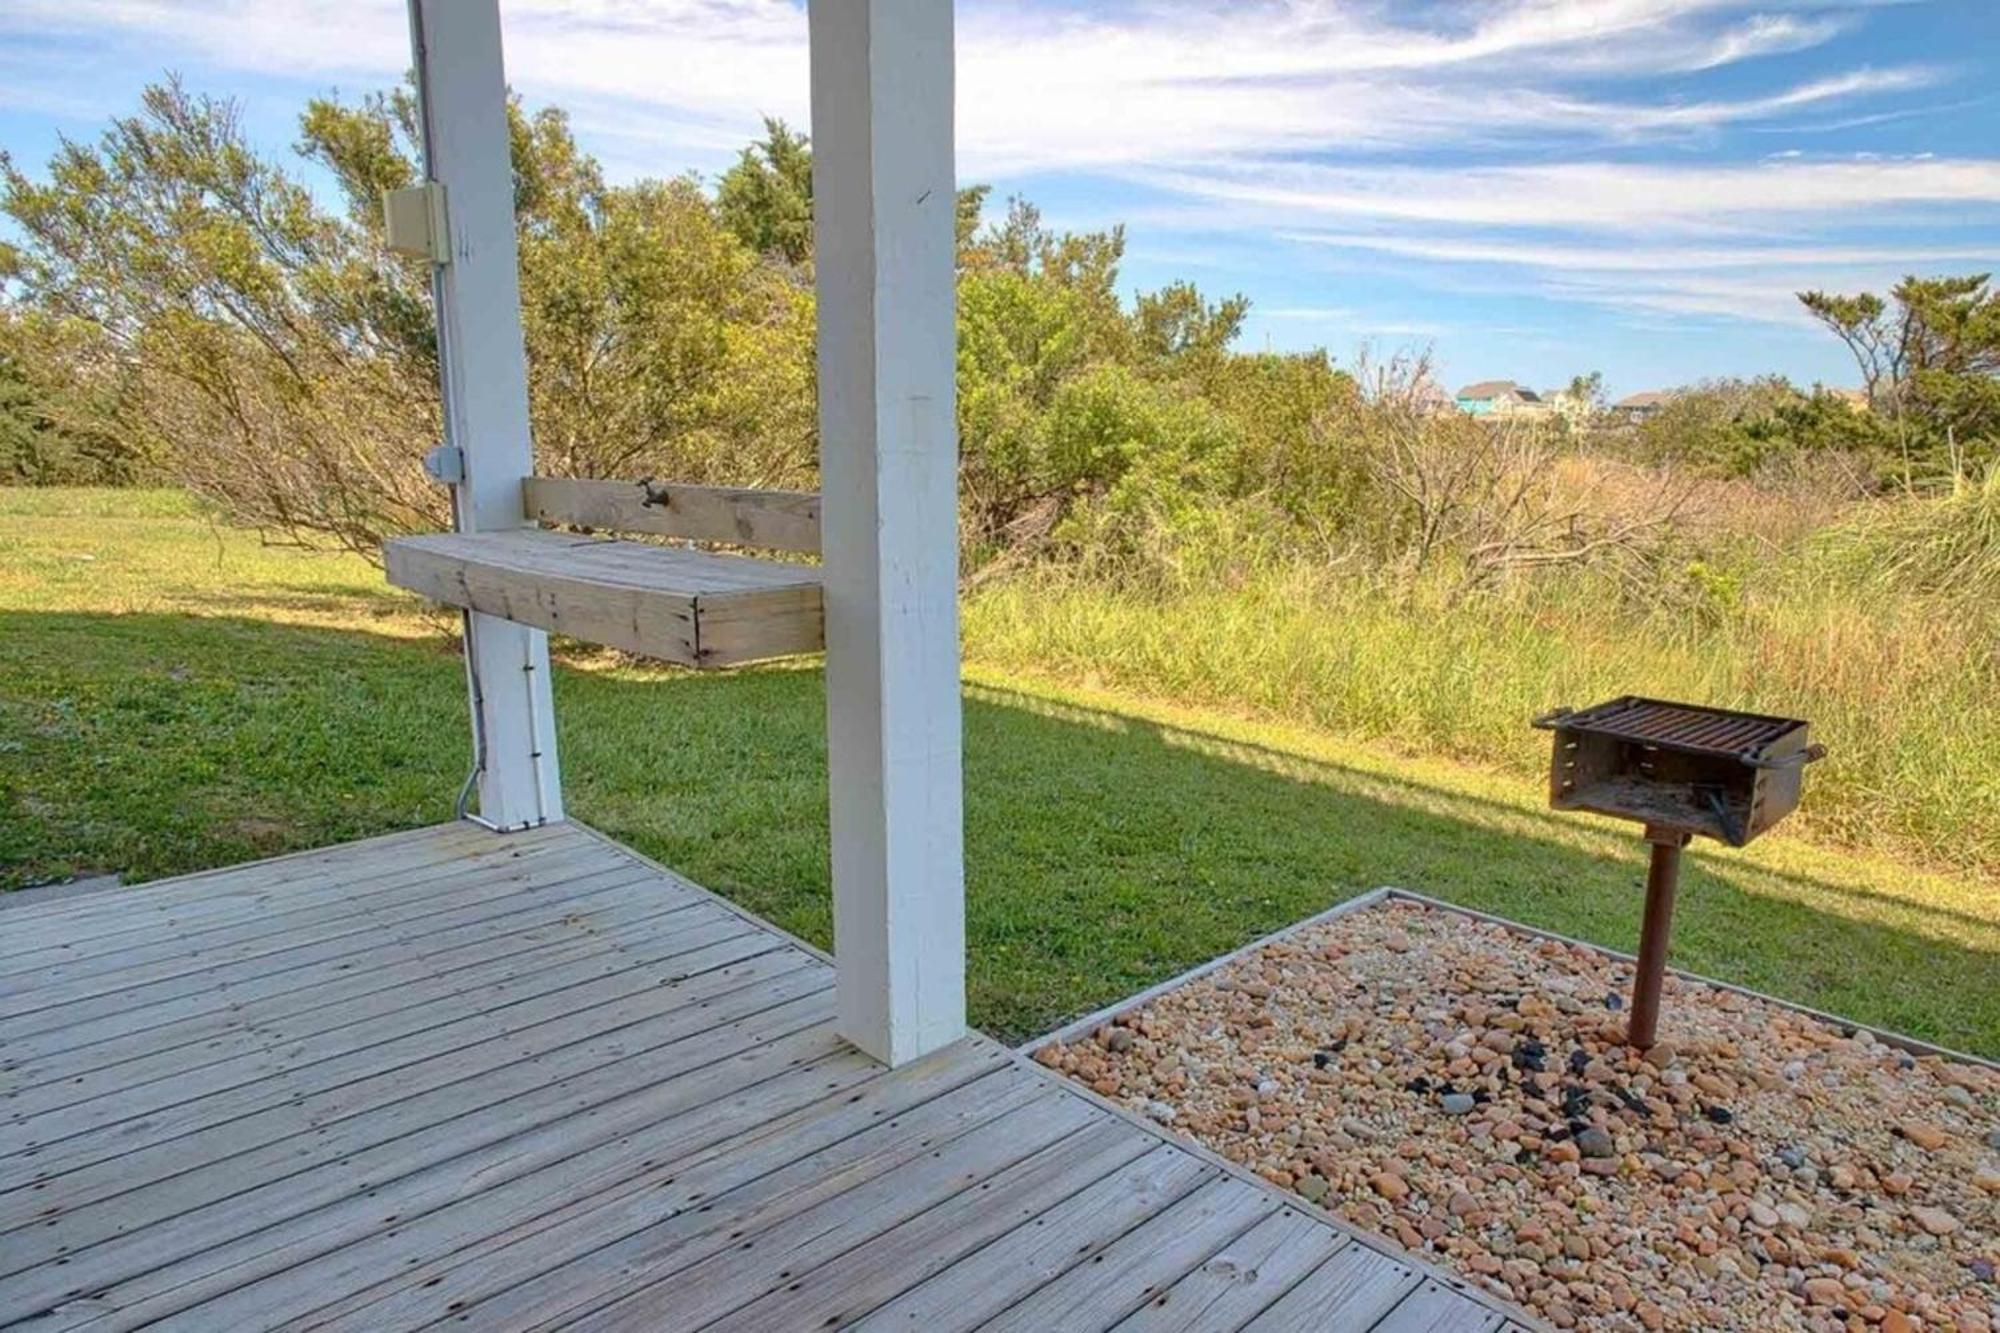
(884, 207)
(462, 88)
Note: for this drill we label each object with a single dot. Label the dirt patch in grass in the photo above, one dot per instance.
(1464, 1089)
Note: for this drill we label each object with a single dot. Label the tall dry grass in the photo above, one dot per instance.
(1882, 630)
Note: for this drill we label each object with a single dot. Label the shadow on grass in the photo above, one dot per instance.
(1104, 851)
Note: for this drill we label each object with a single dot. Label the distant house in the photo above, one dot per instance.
(1639, 406)
(1856, 399)
(1499, 398)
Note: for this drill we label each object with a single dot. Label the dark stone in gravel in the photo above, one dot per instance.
(1420, 1086)
(1721, 1115)
(1594, 1142)
(1614, 1001)
(1579, 1060)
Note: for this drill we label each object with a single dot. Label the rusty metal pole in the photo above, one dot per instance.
(1662, 877)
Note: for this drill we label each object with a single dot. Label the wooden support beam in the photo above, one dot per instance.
(462, 89)
(884, 206)
(773, 520)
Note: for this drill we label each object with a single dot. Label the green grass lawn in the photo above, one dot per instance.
(176, 696)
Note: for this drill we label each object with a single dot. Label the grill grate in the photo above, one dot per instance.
(1713, 731)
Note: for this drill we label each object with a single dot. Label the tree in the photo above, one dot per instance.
(58, 403)
(765, 200)
(1588, 390)
(281, 362)
(1929, 359)
(190, 299)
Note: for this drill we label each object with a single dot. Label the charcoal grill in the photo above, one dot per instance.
(1683, 771)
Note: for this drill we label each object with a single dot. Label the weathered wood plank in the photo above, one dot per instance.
(190, 928)
(243, 889)
(605, 1254)
(691, 607)
(991, 1279)
(364, 1249)
(1242, 1279)
(848, 1287)
(124, 1236)
(827, 1144)
(474, 896)
(789, 1107)
(774, 520)
(109, 1097)
(1436, 1308)
(330, 920)
(401, 940)
(1143, 1262)
(361, 994)
(1353, 1289)
(360, 969)
(444, 1022)
(1022, 1164)
(348, 1079)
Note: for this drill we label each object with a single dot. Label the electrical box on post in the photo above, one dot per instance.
(413, 222)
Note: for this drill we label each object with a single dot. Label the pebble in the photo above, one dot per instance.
(1466, 1096)
(1934, 1220)
(1594, 1142)
(1928, 1137)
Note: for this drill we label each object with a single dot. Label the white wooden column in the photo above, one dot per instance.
(884, 205)
(462, 87)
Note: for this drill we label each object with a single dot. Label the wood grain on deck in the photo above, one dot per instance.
(535, 1082)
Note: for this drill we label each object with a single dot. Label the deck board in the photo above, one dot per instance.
(534, 1082)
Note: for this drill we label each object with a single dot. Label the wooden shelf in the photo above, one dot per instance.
(690, 607)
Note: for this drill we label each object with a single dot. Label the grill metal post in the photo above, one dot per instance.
(1662, 879)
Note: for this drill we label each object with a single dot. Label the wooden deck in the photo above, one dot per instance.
(527, 1082)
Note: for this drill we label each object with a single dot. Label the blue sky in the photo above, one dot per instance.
(1530, 188)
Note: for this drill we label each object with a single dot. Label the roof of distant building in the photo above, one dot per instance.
(1650, 398)
(1498, 389)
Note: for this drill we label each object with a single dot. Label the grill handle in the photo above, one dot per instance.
(1549, 720)
(1796, 759)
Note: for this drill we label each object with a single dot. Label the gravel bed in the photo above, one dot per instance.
(1464, 1090)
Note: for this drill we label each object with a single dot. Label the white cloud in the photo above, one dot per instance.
(1588, 196)
(1044, 89)
(1252, 119)
(1645, 258)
